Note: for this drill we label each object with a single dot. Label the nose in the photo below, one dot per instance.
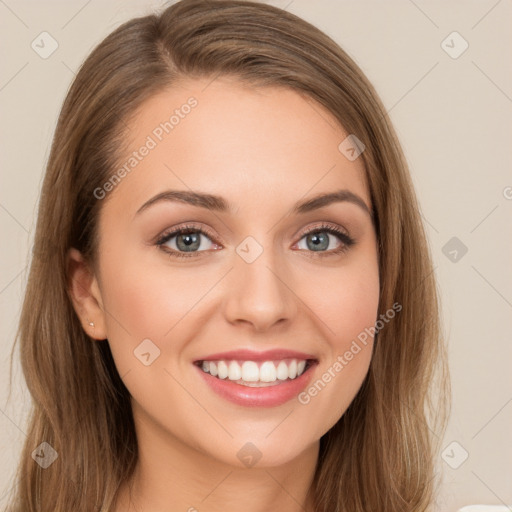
(260, 293)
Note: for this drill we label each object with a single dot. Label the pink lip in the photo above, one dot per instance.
(251, 355)
(270, 396)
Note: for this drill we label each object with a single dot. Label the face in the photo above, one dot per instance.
(282, 289)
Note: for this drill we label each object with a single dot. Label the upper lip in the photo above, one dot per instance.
(251, 355)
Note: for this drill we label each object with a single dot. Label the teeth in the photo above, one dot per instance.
(235, 372)
(292, 369)
(252, 372)
(282, 371)
(268, 372)
(222, 369)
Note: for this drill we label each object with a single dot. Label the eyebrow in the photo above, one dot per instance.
(219, 204)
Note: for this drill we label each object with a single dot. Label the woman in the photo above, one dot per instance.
(231, 301)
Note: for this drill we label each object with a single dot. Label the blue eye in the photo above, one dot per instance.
(319, 238)
(187, 241)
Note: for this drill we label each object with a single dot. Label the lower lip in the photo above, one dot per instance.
(269, 396)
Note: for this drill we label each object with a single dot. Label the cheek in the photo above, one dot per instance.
(349, 309)
(147, 301)
(354, 308)
(346, 300)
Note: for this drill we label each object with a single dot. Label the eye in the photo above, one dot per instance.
(186, 241)
(318, 240)
(189, 240)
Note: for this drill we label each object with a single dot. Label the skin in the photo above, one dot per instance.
(262, 149)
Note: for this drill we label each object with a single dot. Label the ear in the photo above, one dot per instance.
(86, 296)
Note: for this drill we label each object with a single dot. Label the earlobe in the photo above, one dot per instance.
(86, 295)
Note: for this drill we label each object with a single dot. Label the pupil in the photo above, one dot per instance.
(191, 241)
(319, 240)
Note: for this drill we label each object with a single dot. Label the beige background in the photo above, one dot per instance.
(453, 116)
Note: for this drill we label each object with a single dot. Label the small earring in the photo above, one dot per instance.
(91, 323)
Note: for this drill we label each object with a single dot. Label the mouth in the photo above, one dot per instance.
(256, 374)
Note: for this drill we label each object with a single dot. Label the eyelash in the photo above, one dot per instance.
(346, 240)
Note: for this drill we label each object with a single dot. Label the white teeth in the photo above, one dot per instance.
(282, 371)
(222, 369)
(292, 369)
(252, 372)
(268, 372)
(235, 372)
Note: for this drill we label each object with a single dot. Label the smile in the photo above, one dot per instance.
(256, 374)
(264, 383)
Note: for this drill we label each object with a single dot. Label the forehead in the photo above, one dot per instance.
(227, 138)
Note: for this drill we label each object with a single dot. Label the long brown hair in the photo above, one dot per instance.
(380, 455)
